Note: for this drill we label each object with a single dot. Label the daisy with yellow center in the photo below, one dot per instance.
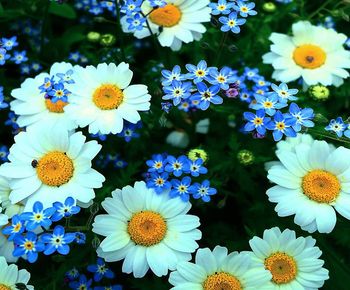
(48, 164)
(102, 98)
(11, 277)
(177, 22)
(33, 108)
(312, 180)
(147, 230)
(314, 53)
(292, 262)
(219, 270)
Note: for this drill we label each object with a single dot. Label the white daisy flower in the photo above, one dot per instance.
(217, 269)
(293, 262)
(102, 98)
(147, 230)
(6, 248)
(5, 191)
(312, 181)
(10, 276)
(33, 108)
(3, 218)
(49, 164)
(314, 53)
(178, 21)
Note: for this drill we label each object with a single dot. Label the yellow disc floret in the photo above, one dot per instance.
(321, 186)
(167, 16)
(222, 281)
(4, 287)
(108, 97)
(56, 107)
(309, 56)
(283, 267)
(147, 228)
(55, 168)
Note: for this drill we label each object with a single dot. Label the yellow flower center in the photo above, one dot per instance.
(55, 107)
(167, 16)
(309, 56)
(108, 97)
(282, 267)
(28, 245)
(4, 287)
(55, 168)
(222, 281)
(258, 121)
(321, 186)
(147, 228)
(268, 104)
(280, 125)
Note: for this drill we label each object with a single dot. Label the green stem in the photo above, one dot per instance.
(221, 46)
(324, 5)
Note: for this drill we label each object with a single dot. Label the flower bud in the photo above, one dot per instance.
(93, 36)
(245, 157)
(197, 153)
(107, 39)
(269, 7)
(319, 92)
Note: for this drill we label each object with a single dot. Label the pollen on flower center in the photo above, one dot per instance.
(108, 97)
(4, 287)
(283, 267)
(222, 281)
(309, 56)
(321, 186)
(55, 168)
(147, 228)
(167, 16)
(56, 107)
(29, 245)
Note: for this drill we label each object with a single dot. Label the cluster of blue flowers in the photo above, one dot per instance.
(30, 231)
(129, 132)
(162, 170)
(135, 18)
(339, 127)
(78, 58)
(54, 87)
(111, 159)
(30, 68)
(198, 88)
(12, 121)
(6, 53)
(3, 104)
(100, 272)
(269, 117)
(232, 9)
(96, 7)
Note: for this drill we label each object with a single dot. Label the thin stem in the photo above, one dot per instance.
(324, 5)
(221, 46)
(119, 31)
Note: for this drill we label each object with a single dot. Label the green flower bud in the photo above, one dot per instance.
(269, 7)
(194, 154)
(93, 36)
(319, 92)
(245, 157)
(107, 39)
(319, 118)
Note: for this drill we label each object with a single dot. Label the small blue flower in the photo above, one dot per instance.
(170, 76)
(181, 188)
(74, 56)
(222, 7)
(100, 270)
(206, 95)
(245, 9)
(302, 117)
(198, 73)
(47, 85)
(100, 136)
(9, 43)
(25, 69)
(231, 23)
(65, 210)
(59, 93)
(36, 66)
(3, 56)
(251, 73)
(177, 165)
(166, 106)
(3, 104)
(28, 245)
(177, 91)
(281, 125)
(12, 121)
(157, 163)
(82, 284)
(136, 22)
(16, 228)
(337, 126)
(38, 217)
(224, 77)
(197, 168)
(157, 3)
(57, 241)
(256, 121)
(119, 162)
(284, 94)
(4, 153)
(131, 6)
(203, 191)
(66, 77)
(129, 129)
(19, 57)
(347, 131)
(159, 182)
(268, 103)
(80, 238)
(72, 274)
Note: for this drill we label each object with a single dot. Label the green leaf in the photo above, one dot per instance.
(63, 10)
